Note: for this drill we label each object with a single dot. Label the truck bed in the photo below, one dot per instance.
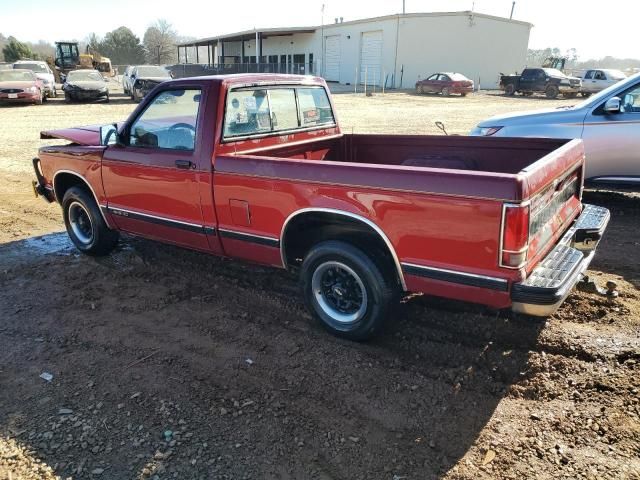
(501, 168)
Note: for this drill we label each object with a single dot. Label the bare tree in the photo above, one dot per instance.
(159, 42)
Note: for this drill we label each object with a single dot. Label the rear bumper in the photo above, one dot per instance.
(549, 284)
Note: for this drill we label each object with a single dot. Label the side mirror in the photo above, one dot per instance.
(613, 105)
(109, 135)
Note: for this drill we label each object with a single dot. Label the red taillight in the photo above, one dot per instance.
(515, 236)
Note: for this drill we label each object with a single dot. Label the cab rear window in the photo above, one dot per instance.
(273, 110)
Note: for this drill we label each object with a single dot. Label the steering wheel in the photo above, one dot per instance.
(186, 126)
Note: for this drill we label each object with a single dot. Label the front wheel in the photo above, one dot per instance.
(345, 290)
(552, 91)
(85, 225)
(445, 92)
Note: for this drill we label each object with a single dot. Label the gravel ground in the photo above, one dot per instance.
(166, 363)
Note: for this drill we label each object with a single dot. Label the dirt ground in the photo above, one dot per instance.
(166, 363)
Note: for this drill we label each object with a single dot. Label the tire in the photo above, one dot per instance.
(40, 99)
(585, 94)
(107, 99)
(335, 271)
(510, 89)
(67, 98)
(551, 91)
(85, 225)
(445, 92)
(419, 89)
(463, 94)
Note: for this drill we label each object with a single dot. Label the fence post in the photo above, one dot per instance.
(366, 77)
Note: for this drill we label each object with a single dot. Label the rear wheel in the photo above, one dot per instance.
(510, 89)
(85, 225)
(345, 290)
(552, 91)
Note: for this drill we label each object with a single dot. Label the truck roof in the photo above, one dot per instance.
(258, 78)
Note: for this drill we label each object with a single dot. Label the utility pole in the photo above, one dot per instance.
(513, 6)
(322, 70)
(403, 7)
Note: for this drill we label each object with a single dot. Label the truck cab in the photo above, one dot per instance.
(596, 80)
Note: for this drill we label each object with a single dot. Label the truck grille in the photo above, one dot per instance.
(11, 90)
(548, 211)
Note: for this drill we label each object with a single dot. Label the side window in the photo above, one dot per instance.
(169, 121)
(315, 108)
(600, 75)
(254, 112)
(528, 74)
(589, 75)
(247, 113)
(284, 112)
(444, 78)
(631, 100)
(433, 77)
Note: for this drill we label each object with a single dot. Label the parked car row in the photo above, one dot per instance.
(38, 83)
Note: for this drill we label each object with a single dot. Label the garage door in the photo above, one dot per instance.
(332, 58)
(371, 57)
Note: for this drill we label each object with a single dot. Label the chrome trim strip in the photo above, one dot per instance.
(354, 216)
(250, 237)
(455, 276)
(166, 219)
(95, 197)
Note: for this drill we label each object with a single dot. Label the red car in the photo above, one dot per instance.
(446, 84)
(256, 167)
(20, 86)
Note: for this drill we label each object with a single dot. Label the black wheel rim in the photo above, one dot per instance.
(339, 292)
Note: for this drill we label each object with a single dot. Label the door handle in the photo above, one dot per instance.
(186, 164)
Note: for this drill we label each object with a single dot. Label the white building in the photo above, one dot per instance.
(395, 50)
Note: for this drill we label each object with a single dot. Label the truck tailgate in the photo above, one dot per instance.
(553, 187)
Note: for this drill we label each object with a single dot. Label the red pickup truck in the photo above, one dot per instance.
(256, 167)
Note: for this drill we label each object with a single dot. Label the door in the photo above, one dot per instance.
(371, 58)
(154, 181)
(532, 79)
(430, 84)
(588, 82)
(332, 58)
(612, 141)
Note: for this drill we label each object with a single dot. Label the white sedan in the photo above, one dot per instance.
(608, 123)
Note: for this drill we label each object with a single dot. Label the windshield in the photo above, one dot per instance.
(616, 74)
(78, 76)
(152, 72)
(35, 67)
(16, 76)
(553, 72)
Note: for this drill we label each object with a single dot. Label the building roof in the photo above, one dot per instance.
(282, 31)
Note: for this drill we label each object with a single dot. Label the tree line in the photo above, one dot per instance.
(121, 45)
(536, 58)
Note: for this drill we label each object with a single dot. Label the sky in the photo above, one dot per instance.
(595, 29)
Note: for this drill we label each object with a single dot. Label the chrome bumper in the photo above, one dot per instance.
(549, 284)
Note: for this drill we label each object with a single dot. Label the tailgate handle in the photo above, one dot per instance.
(185, 164)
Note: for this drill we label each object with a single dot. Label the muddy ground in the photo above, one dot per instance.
(167, 363)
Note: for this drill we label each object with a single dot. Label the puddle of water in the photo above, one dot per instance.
(52, 243)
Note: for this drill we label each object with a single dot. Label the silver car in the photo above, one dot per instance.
(43, 72)
(608, 123)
